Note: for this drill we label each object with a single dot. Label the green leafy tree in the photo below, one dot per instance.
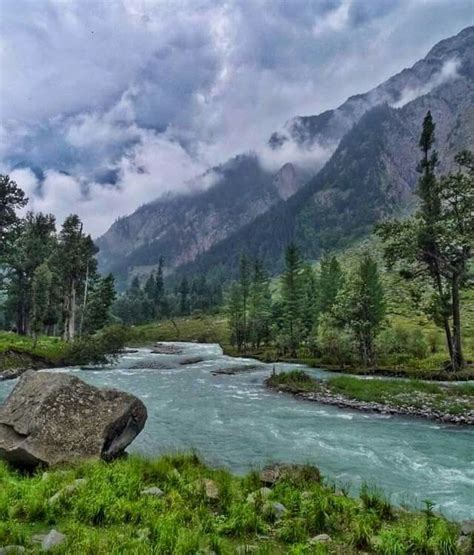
(41, 298)
(437, 242)
(245, 280)
(11, 198)
(34, 244)
(76, 264)
(101, 298)
(361, 306)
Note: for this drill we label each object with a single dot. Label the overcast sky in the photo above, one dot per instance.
(105, 105)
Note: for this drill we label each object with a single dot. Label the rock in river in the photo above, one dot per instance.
(51, 418)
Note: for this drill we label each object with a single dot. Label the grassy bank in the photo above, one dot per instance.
(19, 353)
(200, 510)
(427, 399)
(214, 329)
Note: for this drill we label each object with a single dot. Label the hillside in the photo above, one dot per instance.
(370, 175)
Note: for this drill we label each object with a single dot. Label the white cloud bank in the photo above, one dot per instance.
(107, 105)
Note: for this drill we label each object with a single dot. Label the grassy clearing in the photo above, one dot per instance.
(448, 399)
(107, 514)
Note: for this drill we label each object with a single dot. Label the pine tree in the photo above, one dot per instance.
(436, 243)
(245, 282)
(260, 307)
(11, 198)
(235, 317)
(101, 298)
(41, 296)
(184, 296)
(76, 262)
(293, 298)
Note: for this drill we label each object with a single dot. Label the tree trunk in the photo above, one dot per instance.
(457, 359)
(72, 312)
(447, 327)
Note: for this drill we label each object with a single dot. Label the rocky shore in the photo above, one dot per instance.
(327, 397)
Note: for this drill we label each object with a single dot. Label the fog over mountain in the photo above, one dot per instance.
(107, 106)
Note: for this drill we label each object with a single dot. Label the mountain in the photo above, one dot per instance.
(373, 139)
(180, 227)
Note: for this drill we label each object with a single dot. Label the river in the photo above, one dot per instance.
(235, 422)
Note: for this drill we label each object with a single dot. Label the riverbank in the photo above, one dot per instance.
(446, 403)
(214, 329)
(21, 353)
(176, 504)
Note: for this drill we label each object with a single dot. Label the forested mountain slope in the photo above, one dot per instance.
(371, 174)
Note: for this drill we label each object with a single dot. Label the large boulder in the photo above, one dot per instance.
(51, 418)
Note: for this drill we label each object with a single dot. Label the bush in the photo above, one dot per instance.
(402, 341)
(335, 344)
(100, 348)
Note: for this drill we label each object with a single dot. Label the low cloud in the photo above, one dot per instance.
(448, 72)
(108, 105)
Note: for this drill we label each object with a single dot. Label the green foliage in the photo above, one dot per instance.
(109, 515)
(437, 242)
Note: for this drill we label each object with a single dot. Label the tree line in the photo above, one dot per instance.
(48, 277)
(338, 311)
(154, 298)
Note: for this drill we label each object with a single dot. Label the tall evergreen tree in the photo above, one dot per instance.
(245, 283)
(437, 242)
(260, 306)
(293, 299)
(41, 298)
(11, 198)
(76, 260)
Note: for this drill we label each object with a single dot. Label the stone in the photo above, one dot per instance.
(153, 491)
(52, 540)
(52, 418)
(271, 474)
(68, 490)
(320, 538)
(12, 550)
(467, 527)
(190, 360)
(262, 493)
(166, 349)
(275, 508)
(211, 489)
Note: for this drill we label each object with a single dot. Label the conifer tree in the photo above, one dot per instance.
(292, 296)
(437, 242)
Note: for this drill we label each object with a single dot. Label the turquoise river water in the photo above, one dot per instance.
(234, 421)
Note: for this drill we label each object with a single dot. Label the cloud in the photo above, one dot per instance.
(107, 105)
(448, 72)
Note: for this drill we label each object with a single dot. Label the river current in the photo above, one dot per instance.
(234, 421)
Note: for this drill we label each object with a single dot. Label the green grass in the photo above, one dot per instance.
(450, 399)
(202, 329)
(108, 514)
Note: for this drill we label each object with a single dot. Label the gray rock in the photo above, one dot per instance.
(52, 418)
(320, 538)
(153, 491)
(12, 550)
(68, 490)
(275, 508)
(263, 493)
(52, 540)
(467, 527)
(211, 489)
(271, 474)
